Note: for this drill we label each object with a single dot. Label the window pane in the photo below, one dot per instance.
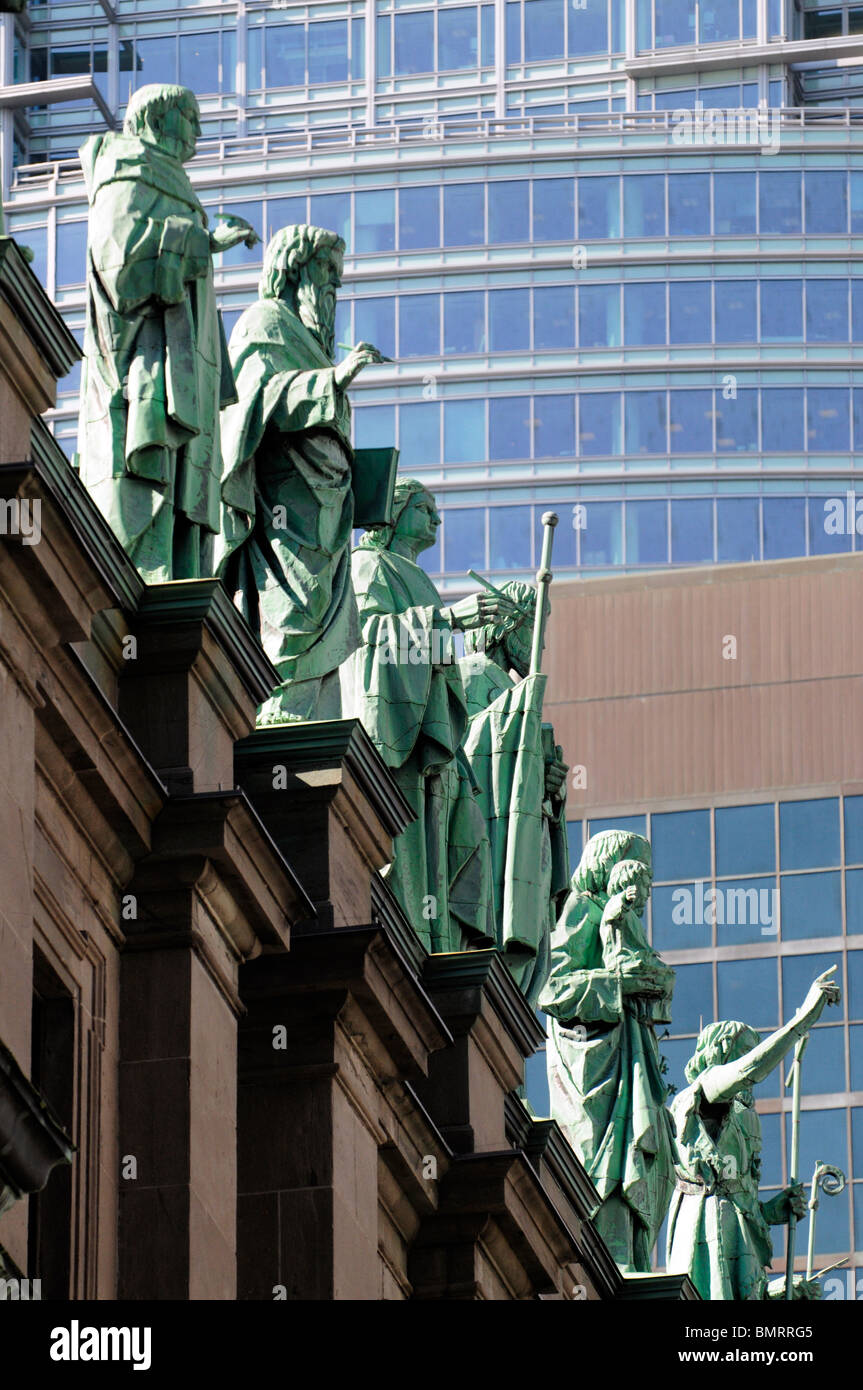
(554, 210)
(419, 325)
(419, 434)
(419, 218)
(692, 531)
(464, 539)
(464, 322)
(827, 421)
(543, 29)
(781, 420)
(748, 991)
(375, 220)
(599, 316)
(779, 202)
(827, 311)
(509, 428)
(333, 211)
(358, 48)
(599, 429)
(688, 204)
(734, 204)
(456, 39)
(588, 28)
(598, 206)
(554, 317)
(692, 1005)
(374, 426)
(199, 61)
(719, 21)
(680, 923)
(284, 212)
(681, 845)
(745, 839)
(781, 311)
(675, 23)
(644, 314)
(487, 27)
(37, 239)
(738, 537)
(736, 311)
(374, 322)
(155, 60)
(328, 51)
(646, 533)
(856, 311)
(464, 215)
(825, 536)
(414, 42)
(689, 312)
(509, 531)
(509, 320)
(508, 212)
(737, 422)
(464, 431)
(784, 521)
(646, 424)
(809, 833)
(554, 426)
(691, 422)
(513, 31)
(826, 201)
(644, 205)
(854, 830)
(811, 905)
(798, 972)
(601, 536)
(286, 55)
(242, 254)
(71, 253)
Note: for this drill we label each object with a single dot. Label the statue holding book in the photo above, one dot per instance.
(290, 475)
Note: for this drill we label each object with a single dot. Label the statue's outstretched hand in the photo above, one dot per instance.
(229, 231)
(822, 991)
(478, 609)
(363, 355)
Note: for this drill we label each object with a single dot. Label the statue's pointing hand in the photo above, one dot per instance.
(478, 609)
(230, 231)
(822, 991)
(363, 355)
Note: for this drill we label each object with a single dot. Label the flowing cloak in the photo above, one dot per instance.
(605, 1081)
(285, 547)
(718, 1235)
(527, 837)
(155, 363)
(415, 714)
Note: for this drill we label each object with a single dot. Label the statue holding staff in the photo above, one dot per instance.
(717, 1227)
(155, 362)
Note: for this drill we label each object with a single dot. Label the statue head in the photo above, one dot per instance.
(508, 641)
(165, 116)
(631, 873)
(415, 521)
(719, 1043)
(303, 265)
(602, 852)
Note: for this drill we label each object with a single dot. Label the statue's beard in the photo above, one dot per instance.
(317, 311)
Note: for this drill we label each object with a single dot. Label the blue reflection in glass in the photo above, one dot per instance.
(782, 428)
(737, 422)
(734, 203)
(414, 42)
(374, 322)
(811, 905)
(736, 311)
(824, 538)
(826, 197)
(374, 426)
(543, 29)
(599, 316)
(809, 833)
(374, 220)
(781, 311)
(509, 320)
(554, 317)
(854, 830)
(598, 205)
(553, 209)
(854, 961)
(456, 39)
(828, 424)
(419, 325)
(747, 910)
(509, 534)
(554, 426)
(779, 200)
(692, 531)
(748, 990)
(71, 253)
(646, 422)
(464, 431)
(509, 427)
(681, 922)
(689, 312)
(692, 1005)
(464, 214)
(745, 839)
(419, 218)
(827, 311)
(738, 530)
(332, 210)
(646, 533)
(644, 205)
(419, 434)
(599, 426)
(508, 211)
(784, 522)
(644, 314)
(602, 537)
(286, 55)
(691, 422)
(681, 844)
(689, 204)
(464, 322)
(464, 539)
(328, 51)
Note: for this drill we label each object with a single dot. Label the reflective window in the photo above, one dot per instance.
(328, 51)
(602, 536)
(691, 422)
(675, 23)
(689, 312)
(374, 322)
(644, 205)
(464, 431)
(737, 422)
(781, 311)
(419, 434)
(554, 210)
(784, 522)
(599, 427)
(646, 422)
(457, 39)
(565, 537)
(543, 29)
(734, 204)
(736, 311)
(827, 311)
(374, 219)
(857, 311)
(644, 314)
(692, 1005)
(779, 201)
(463, 214)
(692, 531)
(824, 541)
(681, 844)
(854, 830)
(828, 426)
(782, 426)
(37, 239)
(419, 218)
(509, 427)
(199, 61)
(284, 212)
(599, 316)
(598, 205)
(374, 426)
(554, 426)
(509, 320)
(554, 317)
(809, 833)
(825, 1072)
(680, 922)
(646, 533)
(286, 55)
(253, 213)
(745, 839)
(332, 210)
(156, 60)
(464, 539)
(811, 905)
(71, 253)
(464, 322)
(414, 42)
(509, 531)
(508, 212)
(487, 28)
(826, 195)
(419, 325)
(738, 532)
(588, 28)
(689, 204)
(750, 994)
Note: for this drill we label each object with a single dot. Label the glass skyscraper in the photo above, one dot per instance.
(610, 246)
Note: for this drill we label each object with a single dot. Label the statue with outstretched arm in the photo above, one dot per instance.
(717, 1226)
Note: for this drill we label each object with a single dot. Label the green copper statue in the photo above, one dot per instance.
(606, 991)
(404, 684)
(285, 548)
(155, 368)
(522, 782)
(717, 1227)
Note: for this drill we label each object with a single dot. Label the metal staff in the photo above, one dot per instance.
(794, 1077)
(543, 579)
(832, 1181)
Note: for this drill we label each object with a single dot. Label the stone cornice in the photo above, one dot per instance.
(34, 310)
(32, 1140)
(474, 975)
